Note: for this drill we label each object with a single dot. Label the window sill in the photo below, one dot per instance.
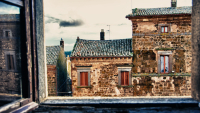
(84, 86)
(156, 74)
(164, 48)
(125, 86)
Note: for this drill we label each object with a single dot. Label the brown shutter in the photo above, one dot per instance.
(122, 78)
(126, 77)
(81, 78)
(86, 78)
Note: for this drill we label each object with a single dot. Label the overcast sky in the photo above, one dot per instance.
(68, 19)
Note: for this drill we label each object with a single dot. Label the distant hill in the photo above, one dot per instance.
(67, 53)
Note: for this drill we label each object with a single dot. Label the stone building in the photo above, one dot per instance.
(10, 54)
(56, 70)
(162, 49)
(101, 67)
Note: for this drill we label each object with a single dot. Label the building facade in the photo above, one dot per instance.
(162, 49)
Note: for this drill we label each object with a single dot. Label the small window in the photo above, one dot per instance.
(10, 62)
(124, 78)
(7, 33)
(83, 78)
(164, 64)
(164, 29)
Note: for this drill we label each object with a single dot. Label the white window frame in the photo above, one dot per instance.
(120, 69)
(83, 69)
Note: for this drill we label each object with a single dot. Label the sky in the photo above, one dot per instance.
(68, 19)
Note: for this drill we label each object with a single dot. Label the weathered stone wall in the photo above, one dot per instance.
(148, 40)
(10, 79)
(51, 77)
(104, 81)
(103, 73)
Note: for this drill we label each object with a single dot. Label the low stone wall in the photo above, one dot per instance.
(51, 77)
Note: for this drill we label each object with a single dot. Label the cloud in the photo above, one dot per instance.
(71, 23)
(63, 23)
(8, 9)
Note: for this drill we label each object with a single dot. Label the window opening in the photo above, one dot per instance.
(164, 29)
(125, 78)
(164, 64)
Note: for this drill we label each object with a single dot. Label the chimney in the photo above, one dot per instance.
(62, 43)
(173, 3)
(102, 34)
(77, 38)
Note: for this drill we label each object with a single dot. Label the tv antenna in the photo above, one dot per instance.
(109, 31)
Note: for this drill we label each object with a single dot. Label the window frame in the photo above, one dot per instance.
(4, 33)
(164, 29)
(164, 53)
(164, 64)
(83, 69)
(120, 69)
(14, 60)
(164, 25)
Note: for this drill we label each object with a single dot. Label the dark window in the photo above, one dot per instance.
(10, 62)
(84, 78)
(7, 33)
(164, 29)
(125, 78)
(164, 64)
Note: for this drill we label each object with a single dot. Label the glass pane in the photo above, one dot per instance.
(162, 63)
(162, 29)
(166, 29)
(10, 47)
(166, 64)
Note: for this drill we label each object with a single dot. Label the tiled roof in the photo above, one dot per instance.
(9, 17)
(160, 11)
(52, 54)
(101, 48)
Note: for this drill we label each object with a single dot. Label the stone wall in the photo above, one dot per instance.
(148, 40)
(10, 79)
(103, 76)
(51, 77)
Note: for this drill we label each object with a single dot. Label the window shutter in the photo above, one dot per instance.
(126, 78)
(122, 78)
(82, 78)
(86, 78)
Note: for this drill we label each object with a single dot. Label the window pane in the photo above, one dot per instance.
(162, 63)
(162, 29)
(167, 64)
(166, 30)
(10, 48)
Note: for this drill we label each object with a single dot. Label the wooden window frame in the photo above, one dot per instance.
(121, 69)
(164, 25)
(164, 53)
(83, 69)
